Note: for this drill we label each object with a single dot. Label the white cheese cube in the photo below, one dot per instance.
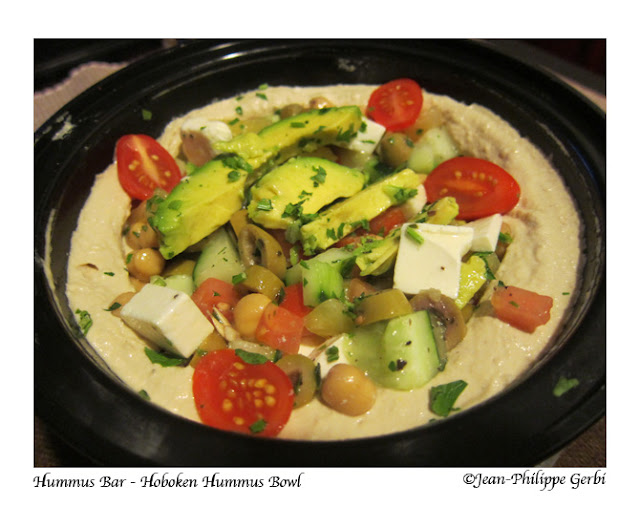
(433, 263)
(366, 141)
(486, 232)
(415, 204)
(327, 356)
(168, 318)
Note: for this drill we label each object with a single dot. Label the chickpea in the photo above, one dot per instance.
(137, 283)
(144, 263)
(141, 235)
(348, 390)
(139, 213)
(121, 299)
(395, 148)
(248, 312)
(319, 103)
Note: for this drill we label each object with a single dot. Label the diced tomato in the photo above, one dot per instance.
(293, 300)
(144, 165)
(523, 309)
(215, 292)
(233, 395)
(481, 188)
(280, 328)
(387, 221)
(396, 105)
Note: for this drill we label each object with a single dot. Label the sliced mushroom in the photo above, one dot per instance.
(447, 319)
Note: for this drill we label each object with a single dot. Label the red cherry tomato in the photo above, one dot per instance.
(481, 188)
(215, 292)
(396, 105)
(523, 309)
(233, 395)
(280, 328)
(144, 165)
(293, 300)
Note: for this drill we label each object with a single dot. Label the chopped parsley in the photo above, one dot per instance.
(233, 176)
(114, 306)
(564, 385)
(85, 320)
(400, 194)
(258, 426)
(262, 96)
(164, 359)
(319, 177)
(146, 114)
(414, 235)
(250, 357)
(109, 274)
(333, 353)
(297, 124)
(239, 278)
(264, 205)
(144, 395)
(239, 111)
(443, 397)
(236, 162)
(397, 365)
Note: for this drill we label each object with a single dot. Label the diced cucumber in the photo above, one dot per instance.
(320, 281)
(181, 282)
(219, 259)
(338, 257)
(401, 354)
(433, 148)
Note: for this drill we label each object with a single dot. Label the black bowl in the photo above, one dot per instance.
(95, 413)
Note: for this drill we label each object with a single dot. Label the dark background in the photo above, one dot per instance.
(585, 60)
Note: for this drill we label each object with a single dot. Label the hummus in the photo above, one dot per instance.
(544, 257)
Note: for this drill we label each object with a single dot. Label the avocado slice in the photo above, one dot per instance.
(301, 186)
(293, 136)
(200, 204)
(342, 218)
(377, 257)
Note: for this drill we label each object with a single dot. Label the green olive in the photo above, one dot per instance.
(258, 247)
(383, 305)
(261, 280)
(348, 390)
(212, 342)
(302, 373)
(329, 318)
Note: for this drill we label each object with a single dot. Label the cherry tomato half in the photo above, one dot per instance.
(396, 105)
(523, 309)
(144, 165)
(233, 395)
(280, 328)
(481, 188)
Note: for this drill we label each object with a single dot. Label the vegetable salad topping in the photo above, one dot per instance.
(315, 253)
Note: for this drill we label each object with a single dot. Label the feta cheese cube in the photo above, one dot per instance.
(168, 318)
(433, 262)
(486, 232)
(415, 204)
(368, 138)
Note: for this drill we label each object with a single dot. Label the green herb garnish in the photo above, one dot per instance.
(564, 385)
(413, 234)
(264, 205)
(250, 357)
(239, 278)
(164, 359)
(85, 320)
(146, 114)
(257, 427)
(443, 397)
(333, 353)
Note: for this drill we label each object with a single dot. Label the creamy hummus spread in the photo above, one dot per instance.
(544, 257)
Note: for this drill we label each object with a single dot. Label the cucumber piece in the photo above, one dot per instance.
(320, 281)
(401, 354)
(340, 258)
(181, 282)
(219, 259)
(433, 148)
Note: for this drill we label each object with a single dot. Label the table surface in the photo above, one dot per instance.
(588, 450)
